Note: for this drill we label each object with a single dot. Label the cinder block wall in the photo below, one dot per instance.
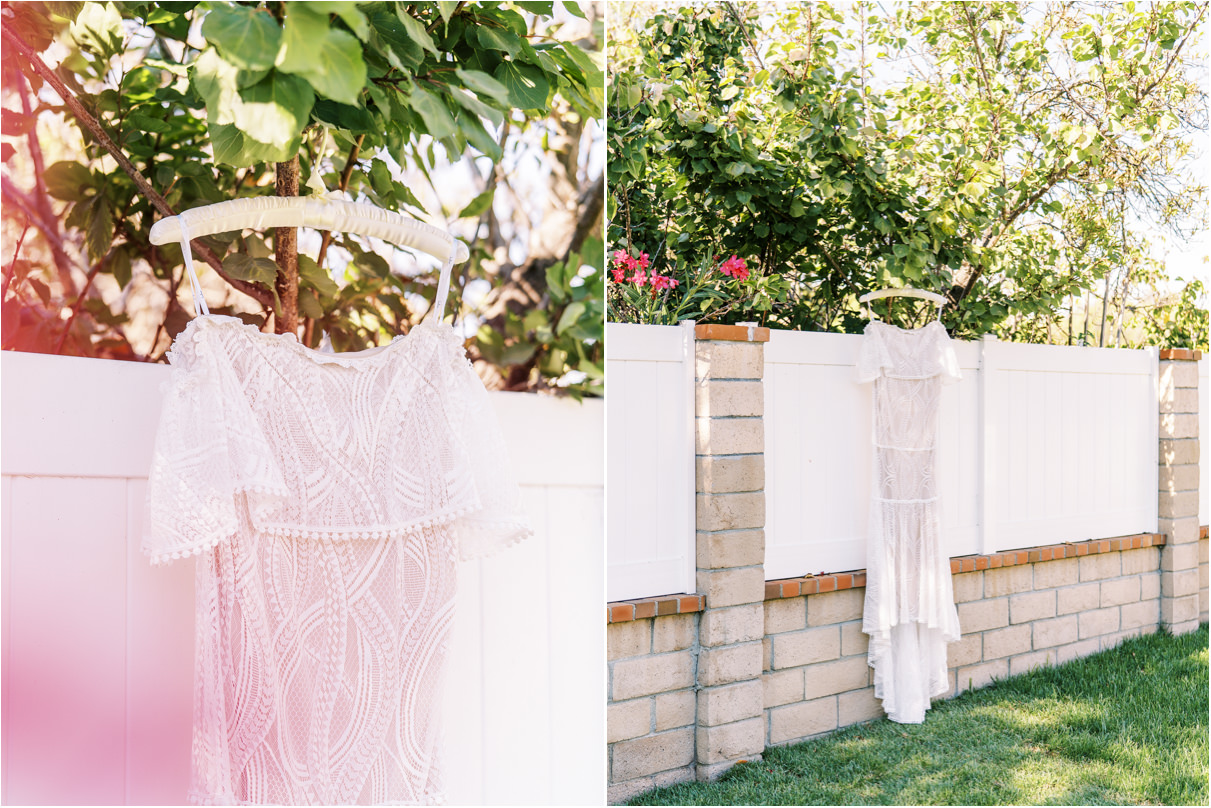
(653, 701)
(1016, 615)
(700, 682)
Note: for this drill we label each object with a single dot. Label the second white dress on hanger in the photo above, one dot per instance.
(909, 610)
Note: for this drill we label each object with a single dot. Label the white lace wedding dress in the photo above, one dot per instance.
(909, 609)
(326, 498)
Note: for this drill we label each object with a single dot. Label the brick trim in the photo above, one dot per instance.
(1202, 532)
(731, 333)
(813, 584)
(1188, 354)
(628, 610)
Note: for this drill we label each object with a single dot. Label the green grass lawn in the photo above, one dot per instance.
(1124, 727)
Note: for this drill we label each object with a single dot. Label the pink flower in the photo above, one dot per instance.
(661, 282)
(643, 260)
(735, 267)
(620, 273)
(639, 277)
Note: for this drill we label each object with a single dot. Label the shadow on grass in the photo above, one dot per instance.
(1127, 726)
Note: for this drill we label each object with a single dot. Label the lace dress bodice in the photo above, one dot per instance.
(909, 609)
(327, 499)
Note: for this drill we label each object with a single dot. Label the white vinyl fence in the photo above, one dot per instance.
(98, 645)
(1204, 442)
(1037, 444)
(650, 460)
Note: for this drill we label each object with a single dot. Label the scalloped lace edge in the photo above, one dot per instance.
(518, 532)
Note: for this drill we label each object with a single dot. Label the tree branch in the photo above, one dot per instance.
(286, 253)
(42, 200)
(30, 208)
(591, 203)
(204, 252)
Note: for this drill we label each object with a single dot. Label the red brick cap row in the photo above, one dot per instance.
(627, 610)
(1188, 354)
(731, 333)
(835, 582)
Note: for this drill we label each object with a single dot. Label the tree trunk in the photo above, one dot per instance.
(286, 253)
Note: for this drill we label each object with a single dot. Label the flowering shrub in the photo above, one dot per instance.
(640, 294)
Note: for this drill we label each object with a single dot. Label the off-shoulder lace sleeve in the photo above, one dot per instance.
(499, 521)
(873, 356)
(948, 361)
(208, 450)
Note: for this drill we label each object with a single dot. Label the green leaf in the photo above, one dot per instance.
(100, 234)
(388, 36)
(478, 137)
(329, 59)
(214, 79)
(317, 278)
(245, 268)
(438, 120)
(447, 8)
(478, 205)
(544, 9)
(557, 283)
(248, 37)
(67, 180)
(484, 84)
(498, 39)
(159, 16)
(343, 116)
(276, 109)
(98, 29)
(348, 12)
(528, 86)
(309, 306)
(415, 30)
(476, 107)
(233, 147)
(570, 315)
(228, 144)
(119, 266)
(592, 253)
(380, 178)
(573, 8)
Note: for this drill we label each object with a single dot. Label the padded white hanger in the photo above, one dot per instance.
(901, 292)
(266, 212)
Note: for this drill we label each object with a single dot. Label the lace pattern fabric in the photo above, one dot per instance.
(909, 609)
(327, 499)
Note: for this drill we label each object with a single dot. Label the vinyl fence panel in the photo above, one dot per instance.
(1204, 442)
(650, 460)
(1071, 437)
(98, 645)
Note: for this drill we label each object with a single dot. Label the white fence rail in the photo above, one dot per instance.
(1037, 444)
(650, 460)
(98, 646)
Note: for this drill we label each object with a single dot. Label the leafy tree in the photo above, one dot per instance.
(1008, 155)
(184, 104)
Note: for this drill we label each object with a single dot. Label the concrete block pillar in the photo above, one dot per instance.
(1177, 503)
(730, 507)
